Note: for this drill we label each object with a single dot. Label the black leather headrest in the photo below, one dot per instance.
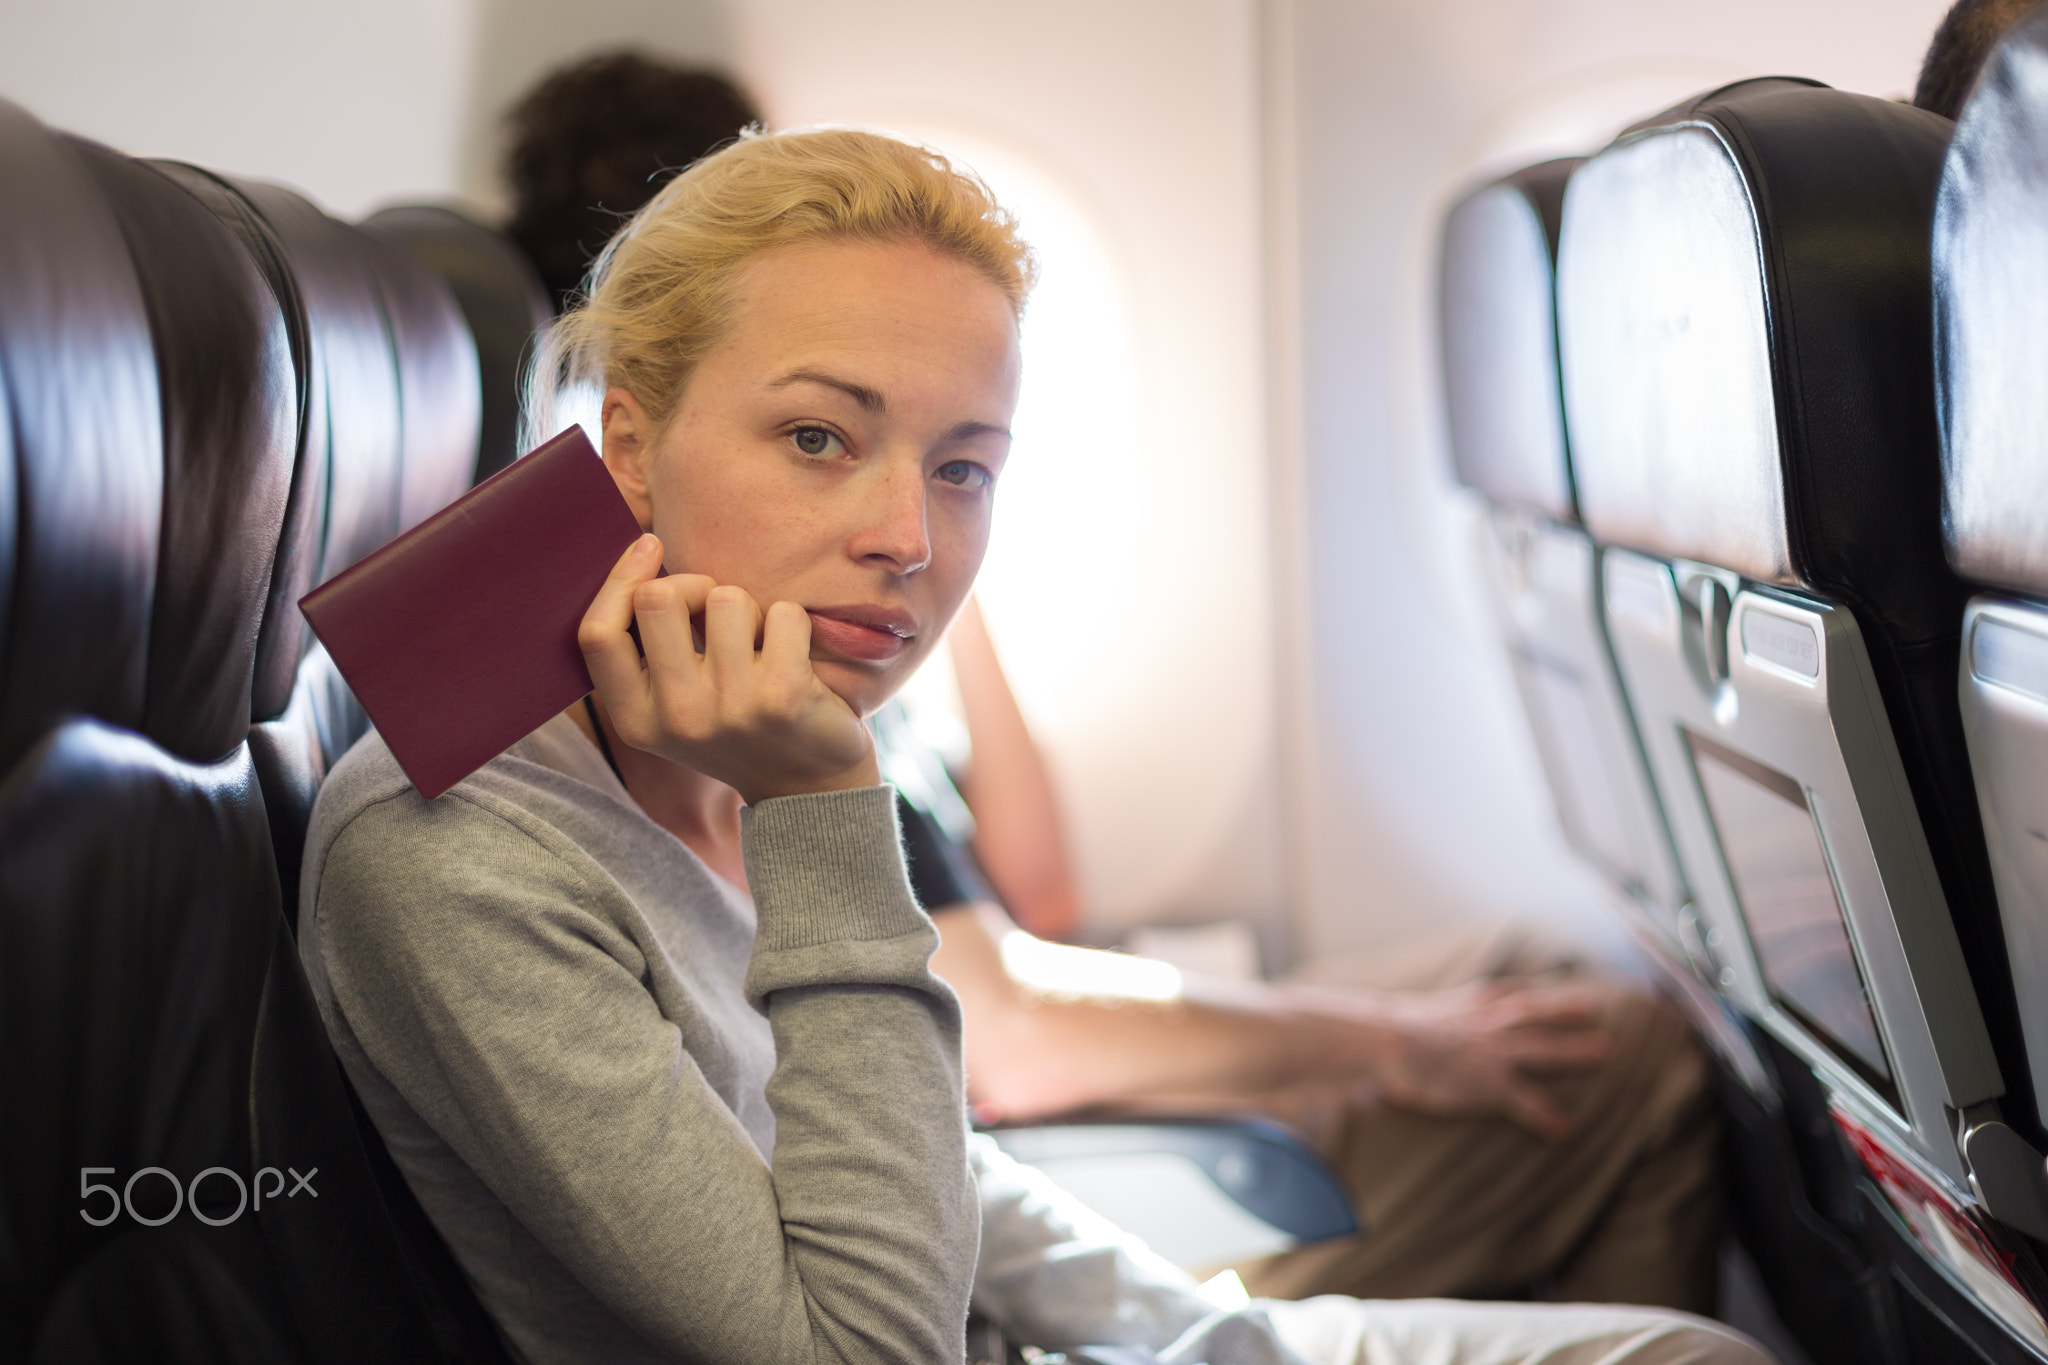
(1991, 319)
(1743, 317)
(501, 298)
(394, 377)
(80, 500)
(354, 406)
(230, 430)
(438, 387)
(1498, 307)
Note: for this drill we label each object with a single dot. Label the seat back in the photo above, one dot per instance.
(1991, 345)
(1750, 415)
(1744, 327)
(1510, 445)
(228, 393)
(391, 397)
(501, 298)
(79, 517)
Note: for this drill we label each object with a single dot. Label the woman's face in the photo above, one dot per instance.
(839, 450)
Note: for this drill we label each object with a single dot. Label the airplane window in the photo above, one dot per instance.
(1789, 901)
(1073, 511)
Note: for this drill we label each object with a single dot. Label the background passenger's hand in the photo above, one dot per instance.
(745, 709)
(1489, 1048)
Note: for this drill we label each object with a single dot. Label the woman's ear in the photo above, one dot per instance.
(628, 450)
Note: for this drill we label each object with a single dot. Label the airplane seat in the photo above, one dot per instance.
(390, 397)
(79, 517)
(374, 325)
(1990, 256)
(439, 380)
(1744, 328)
(157, 1022)
(301, 716)
(501, 298)
(1504, 407)
(391, 326)
(228, 397)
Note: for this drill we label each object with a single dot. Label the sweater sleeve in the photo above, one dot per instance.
(464, 953)
(1058, 1275)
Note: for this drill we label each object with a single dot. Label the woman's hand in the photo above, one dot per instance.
(746, 710)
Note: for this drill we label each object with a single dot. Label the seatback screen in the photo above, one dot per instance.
(1773, 851)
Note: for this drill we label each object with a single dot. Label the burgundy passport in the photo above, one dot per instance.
(459, 637)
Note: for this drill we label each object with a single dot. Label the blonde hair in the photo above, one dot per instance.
(659, 298)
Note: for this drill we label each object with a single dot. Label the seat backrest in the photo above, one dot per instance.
(439, 381)
(1744, 329)
(228, 389)
(1991, 345)
(355, 404)
(281, 632)
(1509, 444)
(79, 517)
(1497, 298)
(392, 409)
(156, 1025)
(501, 298)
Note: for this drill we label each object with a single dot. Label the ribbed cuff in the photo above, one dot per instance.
(828, 868)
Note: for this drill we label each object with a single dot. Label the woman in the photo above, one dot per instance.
(643, 1007)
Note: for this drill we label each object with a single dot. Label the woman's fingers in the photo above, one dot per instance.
(664, 609)
(746, 708)
(732, 622)
(674, 684)
(786, 646)
(608, 650)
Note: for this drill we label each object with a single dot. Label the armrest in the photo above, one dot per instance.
(1201, 1192)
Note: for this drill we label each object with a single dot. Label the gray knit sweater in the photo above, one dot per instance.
(658, 1121)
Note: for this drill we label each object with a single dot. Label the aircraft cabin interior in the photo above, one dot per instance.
(1417, 729)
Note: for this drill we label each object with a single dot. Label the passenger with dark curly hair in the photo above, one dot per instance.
(1965, 38)
(595, 140)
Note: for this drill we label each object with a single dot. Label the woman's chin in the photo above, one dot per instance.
(864, 687)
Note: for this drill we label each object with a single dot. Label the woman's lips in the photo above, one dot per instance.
(863, 634)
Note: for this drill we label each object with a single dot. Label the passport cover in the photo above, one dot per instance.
(459, 637)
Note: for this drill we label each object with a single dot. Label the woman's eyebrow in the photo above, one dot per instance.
(967, 431)
(869, 399)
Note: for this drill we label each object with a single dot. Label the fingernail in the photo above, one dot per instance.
(646, 545)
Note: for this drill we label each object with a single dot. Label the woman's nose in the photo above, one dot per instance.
(893, 528)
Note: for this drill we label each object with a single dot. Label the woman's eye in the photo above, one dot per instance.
(813, 440)
(963, 474)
